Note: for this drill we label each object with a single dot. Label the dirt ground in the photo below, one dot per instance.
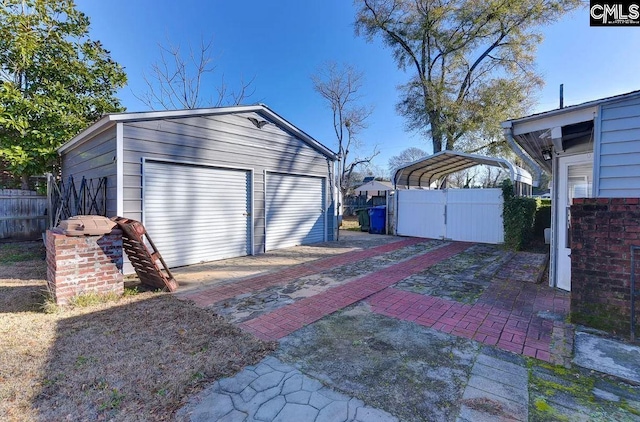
(134, 358)
(413, 372)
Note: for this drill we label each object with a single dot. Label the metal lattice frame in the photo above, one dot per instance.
(65, 200)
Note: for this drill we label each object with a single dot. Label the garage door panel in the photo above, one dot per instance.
(196, 213)
(295, 210)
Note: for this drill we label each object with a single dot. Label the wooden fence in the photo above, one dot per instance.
(354, 203)
(22, 214)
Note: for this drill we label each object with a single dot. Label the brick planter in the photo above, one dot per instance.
(83, 264)
(602, 231)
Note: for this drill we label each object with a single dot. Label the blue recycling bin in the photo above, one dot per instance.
(377, 219)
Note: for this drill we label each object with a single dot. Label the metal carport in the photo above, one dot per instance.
(422, 208)
(422, 173)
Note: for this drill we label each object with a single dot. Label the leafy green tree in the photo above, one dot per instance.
(54, 81)
(471, 62)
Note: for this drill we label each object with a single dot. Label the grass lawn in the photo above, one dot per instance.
(138, 357)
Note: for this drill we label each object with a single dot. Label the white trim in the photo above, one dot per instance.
(554, 223)
(547, 121)
(144, 191)
(570, 109)
(252, 202)
(93, 130)
(568, 159)
(295, 174)
(111, 119)
(325, 208)
(196, 163)
(324, 200)
(119, 170)
(264, 207)
(597, 147)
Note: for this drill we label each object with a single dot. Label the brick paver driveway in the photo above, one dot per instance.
(510, 314)
(380, 328)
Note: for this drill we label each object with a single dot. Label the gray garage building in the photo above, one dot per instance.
(211, 183)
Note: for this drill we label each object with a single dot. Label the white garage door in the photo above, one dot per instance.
(295, 210)
(195, 214)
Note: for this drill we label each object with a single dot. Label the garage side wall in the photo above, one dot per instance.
(225, 141)
(94, 158)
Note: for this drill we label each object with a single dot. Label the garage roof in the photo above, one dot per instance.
(374, 186)
(110, 120)
(426, 170)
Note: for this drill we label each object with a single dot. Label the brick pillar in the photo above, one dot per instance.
(83, 264)
(602, 232)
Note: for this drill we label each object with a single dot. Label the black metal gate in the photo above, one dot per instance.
(65, 199)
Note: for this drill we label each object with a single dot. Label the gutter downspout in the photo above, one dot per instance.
(537, 171)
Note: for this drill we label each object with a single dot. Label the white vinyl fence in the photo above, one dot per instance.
(471, 215)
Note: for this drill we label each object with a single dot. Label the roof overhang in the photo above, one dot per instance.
(422, 172)
(110, 120)
(555, 130)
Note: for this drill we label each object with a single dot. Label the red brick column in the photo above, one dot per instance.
(83, 264)
(602, 231)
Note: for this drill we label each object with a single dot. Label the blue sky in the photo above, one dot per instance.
(282, 42)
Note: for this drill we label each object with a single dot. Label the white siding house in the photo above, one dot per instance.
(210, 183)
(591, 150)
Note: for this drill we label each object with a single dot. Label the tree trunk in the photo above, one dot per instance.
(436, 132)
(24, 182)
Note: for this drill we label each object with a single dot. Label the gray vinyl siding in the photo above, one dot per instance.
(223, 140)
(619, 150)
(94, 158)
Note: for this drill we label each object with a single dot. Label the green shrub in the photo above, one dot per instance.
(542, 219)
(518, 214)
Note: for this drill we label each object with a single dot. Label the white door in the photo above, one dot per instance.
(295, 210)
(195, 213)
(421, 213)
(575, 181)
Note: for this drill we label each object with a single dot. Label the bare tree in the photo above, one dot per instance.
(405, 157)
(340, 86)
(461, 179)
(177, 82)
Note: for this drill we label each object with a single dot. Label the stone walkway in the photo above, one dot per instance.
(498, 390)
(273, 391)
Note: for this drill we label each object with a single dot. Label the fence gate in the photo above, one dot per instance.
(471, 215)
(65, 199)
